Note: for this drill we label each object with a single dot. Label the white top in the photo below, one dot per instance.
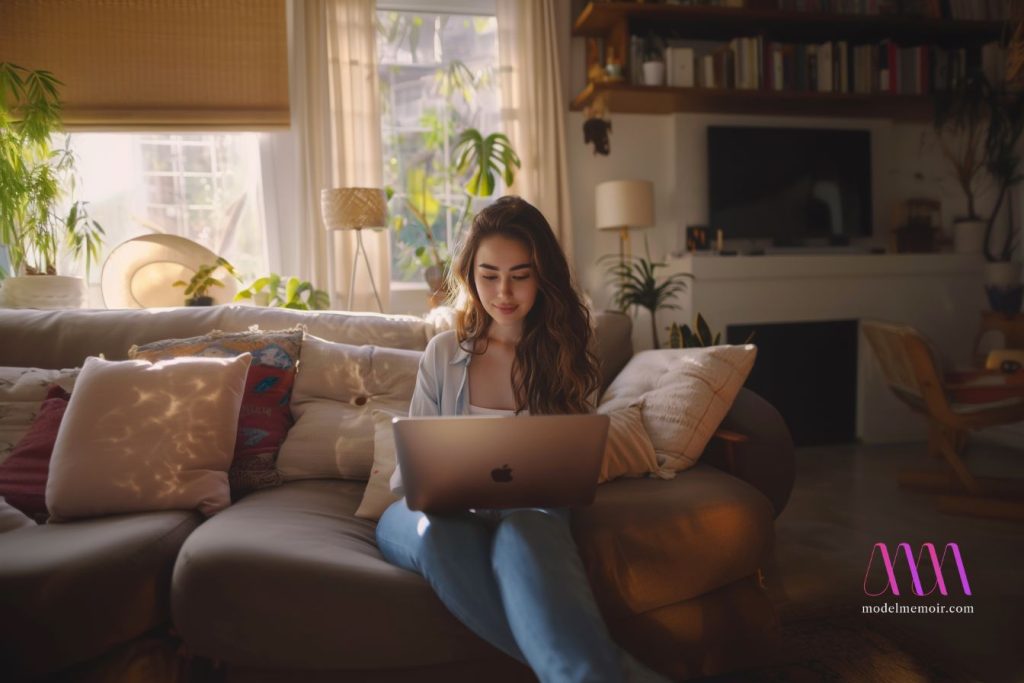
(497, 412)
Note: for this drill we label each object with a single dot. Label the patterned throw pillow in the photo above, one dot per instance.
(265, 417)
(23, 475)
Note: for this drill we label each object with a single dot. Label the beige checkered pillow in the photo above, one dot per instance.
(685, 394)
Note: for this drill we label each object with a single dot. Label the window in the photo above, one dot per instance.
(203, 186)
(438, 77)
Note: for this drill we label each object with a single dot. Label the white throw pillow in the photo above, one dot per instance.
(22, 391)
(684, 393)
(337, 388)
(140, 436)
(377, 496)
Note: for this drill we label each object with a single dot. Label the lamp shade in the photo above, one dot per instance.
(354, 208)
(625, 204)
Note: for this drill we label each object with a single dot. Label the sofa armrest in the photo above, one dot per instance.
(762, 451)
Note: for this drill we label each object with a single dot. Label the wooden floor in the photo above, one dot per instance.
(847, 498)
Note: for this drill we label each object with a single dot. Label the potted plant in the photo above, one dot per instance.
(480, 160)
(197, 288)
(34, 180)
(700, 336)
(636, 285)
(960, 122)
(654, 61)
(276, 291)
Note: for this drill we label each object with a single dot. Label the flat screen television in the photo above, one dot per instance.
(791, 185)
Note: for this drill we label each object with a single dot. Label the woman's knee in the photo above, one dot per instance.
(546, 531)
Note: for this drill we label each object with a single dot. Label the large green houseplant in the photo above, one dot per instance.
(478, 160)
(35, 178)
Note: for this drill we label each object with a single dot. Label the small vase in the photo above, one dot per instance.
(654, 73)
(199, 301)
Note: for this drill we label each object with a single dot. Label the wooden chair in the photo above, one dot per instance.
(912, 372)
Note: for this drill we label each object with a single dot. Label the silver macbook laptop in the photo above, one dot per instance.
(458, 463)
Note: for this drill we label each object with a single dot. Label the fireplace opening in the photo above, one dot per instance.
(808, 371)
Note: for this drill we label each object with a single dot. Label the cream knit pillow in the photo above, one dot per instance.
(684, 393)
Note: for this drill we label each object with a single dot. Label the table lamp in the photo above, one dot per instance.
(623, 205)
(355, 208)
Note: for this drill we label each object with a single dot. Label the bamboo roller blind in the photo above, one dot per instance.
(199, 64)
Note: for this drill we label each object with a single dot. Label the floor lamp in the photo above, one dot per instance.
(355, 208)
(623, 205)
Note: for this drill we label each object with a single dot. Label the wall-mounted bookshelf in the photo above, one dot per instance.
(615, 22)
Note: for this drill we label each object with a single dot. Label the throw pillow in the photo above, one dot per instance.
(12, 518)
(628, 451)
(377, 496)
(23, 474)
(684, 393)
(22, 391)
(265, 417)
(337, 388)
(140, 436)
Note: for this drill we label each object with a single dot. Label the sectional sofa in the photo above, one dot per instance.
(287, 584)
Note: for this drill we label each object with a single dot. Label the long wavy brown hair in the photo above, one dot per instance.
(554, 370)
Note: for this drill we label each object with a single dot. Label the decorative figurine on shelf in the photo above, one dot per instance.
(596, 127)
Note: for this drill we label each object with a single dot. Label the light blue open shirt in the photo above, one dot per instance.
(441, 385)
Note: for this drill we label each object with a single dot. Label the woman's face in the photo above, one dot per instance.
(505, 279)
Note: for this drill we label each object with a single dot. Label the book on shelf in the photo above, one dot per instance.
(757, 63)
(679, 67)
(957, 10)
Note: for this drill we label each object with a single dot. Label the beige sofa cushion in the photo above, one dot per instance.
(70, 592)
(298, 553)
(685, 394)
(336, 391)
(140, 436)
(647, 543)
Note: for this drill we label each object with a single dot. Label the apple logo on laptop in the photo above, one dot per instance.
(502, 474)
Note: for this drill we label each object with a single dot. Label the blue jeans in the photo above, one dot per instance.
(515, 578)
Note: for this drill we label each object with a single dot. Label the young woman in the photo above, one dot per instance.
(520, 346)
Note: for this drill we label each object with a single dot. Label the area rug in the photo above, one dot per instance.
(826, 650)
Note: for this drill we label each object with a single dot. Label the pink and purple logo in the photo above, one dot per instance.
(889, 563)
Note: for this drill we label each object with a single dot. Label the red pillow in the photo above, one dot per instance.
(23, 474)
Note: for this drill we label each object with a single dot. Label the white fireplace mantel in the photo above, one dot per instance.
(941, 295)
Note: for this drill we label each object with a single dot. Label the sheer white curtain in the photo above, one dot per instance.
(533, 108)
(338, 116)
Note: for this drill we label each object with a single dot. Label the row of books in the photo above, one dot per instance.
(756, 63)
(960, 10)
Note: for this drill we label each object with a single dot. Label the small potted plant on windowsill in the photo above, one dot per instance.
(34, 180)
(197, 289)
(276, 291)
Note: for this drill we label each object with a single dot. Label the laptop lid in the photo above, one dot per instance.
(457, 463)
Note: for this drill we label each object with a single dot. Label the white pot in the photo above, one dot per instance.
(969, 237)
(1002, 274)
(654, 73)
(43, 291)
